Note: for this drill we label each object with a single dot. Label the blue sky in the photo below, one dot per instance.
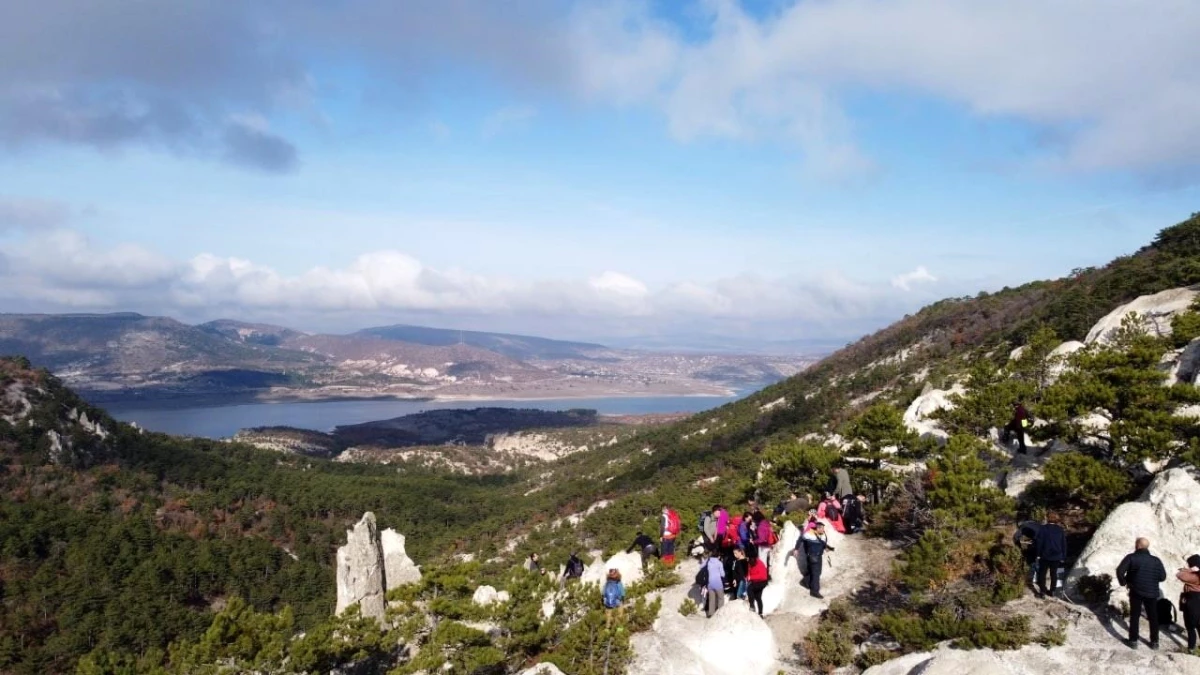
(765, 170)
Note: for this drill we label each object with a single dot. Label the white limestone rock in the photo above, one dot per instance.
(1059, 359)
(1168, 513)
(628, 564)
(1185, 366)
(488, 595)
(735, 641)
(543, 669)
(398, 568)
(1090, 655)
(360, 570)
(917, 415)
(1155, 312)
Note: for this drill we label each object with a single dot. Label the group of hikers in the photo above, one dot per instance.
(1045, 549)
(735, 549)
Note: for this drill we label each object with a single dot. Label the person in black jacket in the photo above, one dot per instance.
(644, 545)
(1142, 573)
(1050, 547)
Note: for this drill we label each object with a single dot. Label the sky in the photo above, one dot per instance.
(668, 171)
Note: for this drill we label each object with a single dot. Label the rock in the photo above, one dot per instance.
(1018, 479)
(629, 564)
(543, 669)
(360, 570)
(1107, 656)
(1168, 513)
(1155, 312)
(917, 415)
(735, 641)
(488, 595)
(398, 568)
(1186, 365)
(1058, 359)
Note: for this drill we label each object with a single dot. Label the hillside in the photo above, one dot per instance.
(156, 535)
(520, 347)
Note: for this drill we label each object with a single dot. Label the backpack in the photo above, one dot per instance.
(1166, 612)
(704, 519)
(672, 523)
(702, 576)
(832, 512)
(574, 568)
(612, 595)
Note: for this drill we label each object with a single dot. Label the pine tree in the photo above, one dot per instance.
(879, 434)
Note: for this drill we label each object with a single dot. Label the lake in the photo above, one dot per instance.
(224, 421)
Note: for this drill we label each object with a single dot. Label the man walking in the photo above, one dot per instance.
(815, 543)
(1017, 425)
(1050, 547)
(1142, 573)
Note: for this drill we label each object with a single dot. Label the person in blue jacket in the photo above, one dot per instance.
(1050, 546)
(614, 595)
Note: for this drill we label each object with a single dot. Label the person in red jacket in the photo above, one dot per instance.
(670, 531)
(757, 578)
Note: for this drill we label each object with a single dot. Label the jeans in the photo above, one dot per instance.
(741, 589)
(1048, 567)
(1136, 605)
(756, 591)
(814, 574)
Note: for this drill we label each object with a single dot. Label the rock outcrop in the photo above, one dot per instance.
(488, 595)
(543, 669)
(735, 641)
(398, 568)
(1167, 513)
(1116, 659)
(917, 417)
(360, 570)
(1155, 312)
(629, 564)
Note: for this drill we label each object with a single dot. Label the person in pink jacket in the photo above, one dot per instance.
(831, 509)
(722, 518)
(763, 536)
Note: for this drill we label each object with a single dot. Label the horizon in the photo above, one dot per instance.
(755, 171)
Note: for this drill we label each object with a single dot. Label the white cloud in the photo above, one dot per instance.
(508, 119)
(906, 281)
(65, 270)
(32, 214)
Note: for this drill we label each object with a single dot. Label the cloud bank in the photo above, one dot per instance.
(1113, 85)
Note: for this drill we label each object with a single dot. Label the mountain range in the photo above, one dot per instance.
(126, 356)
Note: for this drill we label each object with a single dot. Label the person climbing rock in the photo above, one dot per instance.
(1023, 539)
(839, 484)
(1017, 425)
(756, 577)
(714, 591)
(613, 595)
(792, 504)
(1050, 546)
(645, 546)
(670, 531)
(573, 570)
(1141, 572)
(814, 543)
(1189, 600)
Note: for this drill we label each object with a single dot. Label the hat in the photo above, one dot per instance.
(1193, 561)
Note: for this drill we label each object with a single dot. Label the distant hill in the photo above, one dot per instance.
(515, 346)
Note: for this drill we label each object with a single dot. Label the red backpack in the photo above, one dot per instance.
(772, 536)
(672, 523)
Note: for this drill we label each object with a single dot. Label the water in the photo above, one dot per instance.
(224, 421)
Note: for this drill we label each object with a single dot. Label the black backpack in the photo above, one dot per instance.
(574, 568)
(1166, 612)
(702, 575)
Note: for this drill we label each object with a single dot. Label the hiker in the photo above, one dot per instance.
(764, 537)
(1142, 573)
(722, 518)
(1189, 600)
(793, 504)
(853, 513)
(831, 509)
(741, 568)
(613, 595)
(756, 578)
(573, 570)
(839, 484)
(1017, 425)
(1023, 539)
(746, 532)
(812, 547)
(1050, 547)
(670, 531)
(534, 564)
(714, 585)
(645, 545)
(811, 524)
(708, 529)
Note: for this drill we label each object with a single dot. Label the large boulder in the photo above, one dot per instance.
(1184, 366)
(628, 564)
(1167, 513)
(1059, 357)
(1155, 312)
(398, 568)
(1109, 657)
(735, 641)
(360, 570)
(917, 416)
(488, 595)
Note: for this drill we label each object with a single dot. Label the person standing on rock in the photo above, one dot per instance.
(1189, 600)
(714, 588)
(756, 577)
(813, 544)
(840, 484)
(1141, 573)
(764, 538)
(1050, 546)
(1017, 425)
(644, 545)
(670, 531)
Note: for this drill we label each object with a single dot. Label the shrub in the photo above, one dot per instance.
(829, 647)
(1074, 476)
(1095, 589)
(1053, 636)
(688, 607)
(873, 656)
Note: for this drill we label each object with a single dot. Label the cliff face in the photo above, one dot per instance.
(63, 429)
(369, 565)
